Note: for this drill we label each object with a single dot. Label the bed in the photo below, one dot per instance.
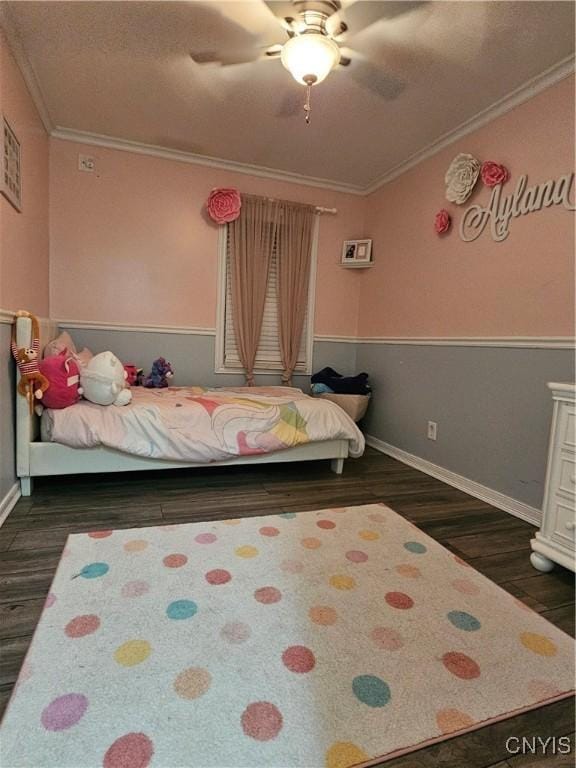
(179, 427)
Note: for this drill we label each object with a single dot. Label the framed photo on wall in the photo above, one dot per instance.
(357, 253)
(11, 178)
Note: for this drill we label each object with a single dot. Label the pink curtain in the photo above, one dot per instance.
(252, 238)
(294, 254)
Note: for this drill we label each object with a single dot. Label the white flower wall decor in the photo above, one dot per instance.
(461, 178)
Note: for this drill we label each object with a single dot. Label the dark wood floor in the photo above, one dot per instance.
(494, 542)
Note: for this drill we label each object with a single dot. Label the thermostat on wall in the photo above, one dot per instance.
(357, 253)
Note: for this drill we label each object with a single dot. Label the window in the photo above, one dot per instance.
(268, 360)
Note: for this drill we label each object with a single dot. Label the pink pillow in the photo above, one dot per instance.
(59, 344)
(63, 375)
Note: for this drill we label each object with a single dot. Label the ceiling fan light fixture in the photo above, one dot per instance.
(310, 57)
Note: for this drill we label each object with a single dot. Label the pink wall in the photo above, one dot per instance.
(425, 285)
(24, 237)
(130, 243)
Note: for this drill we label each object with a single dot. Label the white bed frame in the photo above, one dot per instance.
(37, 459)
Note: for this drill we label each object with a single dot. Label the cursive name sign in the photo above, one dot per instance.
(501, 209)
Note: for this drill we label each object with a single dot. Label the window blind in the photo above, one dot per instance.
(268, 357)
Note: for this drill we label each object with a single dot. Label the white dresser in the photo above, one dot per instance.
(555, 541)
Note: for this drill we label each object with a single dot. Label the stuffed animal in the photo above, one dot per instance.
(103, 381)
(159, 375)
(63, 374)
(32, 383)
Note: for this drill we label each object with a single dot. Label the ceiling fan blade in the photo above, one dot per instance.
(357, 15)
(373, 77)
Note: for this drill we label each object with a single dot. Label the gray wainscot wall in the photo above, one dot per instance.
(491, 404)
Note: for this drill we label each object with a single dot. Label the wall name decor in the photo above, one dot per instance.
(501, 209)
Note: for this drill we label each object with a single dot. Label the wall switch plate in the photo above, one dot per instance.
(432, 430)
(86, 163)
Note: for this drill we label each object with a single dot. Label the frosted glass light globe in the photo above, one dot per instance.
(310, 55)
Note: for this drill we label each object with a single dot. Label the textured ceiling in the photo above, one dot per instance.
(123, 69)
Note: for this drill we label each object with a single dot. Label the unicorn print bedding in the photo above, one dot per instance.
(195, 424)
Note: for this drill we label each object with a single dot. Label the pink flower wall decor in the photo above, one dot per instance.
(223, 205)
(442, 222)
(493, 173)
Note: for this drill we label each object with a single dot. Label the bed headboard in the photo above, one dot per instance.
(28, 424)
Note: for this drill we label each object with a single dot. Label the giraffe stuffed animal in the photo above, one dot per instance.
(32, 383)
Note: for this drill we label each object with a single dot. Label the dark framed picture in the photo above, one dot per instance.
(11, 179)
(357, 253)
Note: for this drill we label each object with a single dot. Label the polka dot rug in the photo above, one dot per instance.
(321, 639)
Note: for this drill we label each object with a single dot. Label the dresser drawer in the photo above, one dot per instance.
(566, 439)
(564, 523)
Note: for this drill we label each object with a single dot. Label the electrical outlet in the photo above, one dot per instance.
(432, 430)
(86, 163)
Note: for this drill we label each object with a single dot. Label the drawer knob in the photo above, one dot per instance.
(570, 525)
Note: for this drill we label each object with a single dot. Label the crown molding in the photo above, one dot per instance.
(153, 150)
(24, 65)
(523, 93)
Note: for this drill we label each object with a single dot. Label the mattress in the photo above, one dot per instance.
(195, 424)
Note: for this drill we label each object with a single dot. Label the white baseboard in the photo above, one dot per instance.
(8, 503)
(479, 491)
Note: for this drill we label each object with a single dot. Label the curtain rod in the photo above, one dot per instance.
(317, 208)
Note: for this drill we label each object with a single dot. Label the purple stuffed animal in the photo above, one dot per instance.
(159, 375)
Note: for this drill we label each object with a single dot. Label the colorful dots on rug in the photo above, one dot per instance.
(50, 600)
(539, 644)
(368, 535)
(235, 632)
(133, 750)
(341, 581)
(246, 551)
(464, 621)
(81, 626)
(356, 556)
(99, 534)
(326, 525)
(310, 542)
(323, 615)
(175, 560)
(205, 538)
(268, 595)
(192, 683)
(344, 754)
(409, 571)
(132, 652)
(262, 721)
(399, 600)
(461, 665)
(181, 609)
(371, 690)
(415, 547)
(135, 545)
(64, 712)
(386, 638)
(288, 515)
(268, 530)
(232, 521)
(299, 659)
(292, 566)
(135, 588)
(466, 587)
(94, 570)
(218, 576)
(450, 720)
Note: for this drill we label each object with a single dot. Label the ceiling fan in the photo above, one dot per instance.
(316, 31)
